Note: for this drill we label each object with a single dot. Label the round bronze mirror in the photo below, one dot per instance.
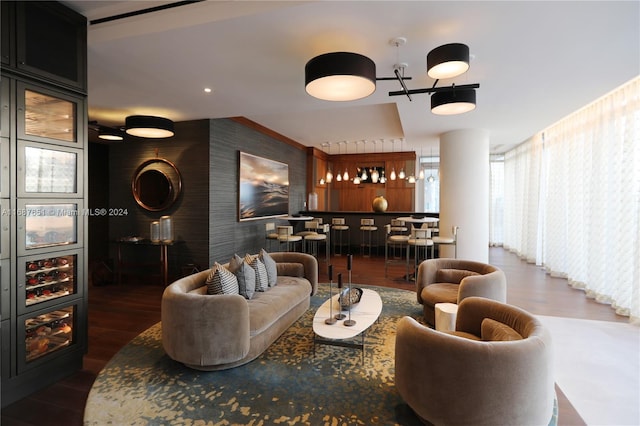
(156, 184)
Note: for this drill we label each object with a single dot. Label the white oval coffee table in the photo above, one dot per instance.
(364, 313)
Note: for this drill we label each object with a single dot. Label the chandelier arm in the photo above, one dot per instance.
(435, 89)
(404, 86)
(392, 78)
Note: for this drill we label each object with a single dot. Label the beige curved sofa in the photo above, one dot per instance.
(452, 280)
(217, 332)
(453, 378)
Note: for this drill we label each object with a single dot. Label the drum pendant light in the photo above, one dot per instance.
(340, 76)
(456, 101)
(448, 61)
(110, 134)
(149, 126)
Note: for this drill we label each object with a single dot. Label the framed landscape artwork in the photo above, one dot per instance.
(263, 188)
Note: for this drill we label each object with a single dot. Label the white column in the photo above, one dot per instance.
(464, 192)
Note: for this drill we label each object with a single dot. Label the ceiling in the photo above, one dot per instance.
(535, 62)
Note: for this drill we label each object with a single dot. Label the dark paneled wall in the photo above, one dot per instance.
(205, 216)
(98, 199)
(189, 151)
(228, 236)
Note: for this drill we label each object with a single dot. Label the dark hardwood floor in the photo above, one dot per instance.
(119, 313)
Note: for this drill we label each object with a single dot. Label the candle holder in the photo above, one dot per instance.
(166, 229)
(154, 231)
(339, 315)
(349, 322)
(331, 320)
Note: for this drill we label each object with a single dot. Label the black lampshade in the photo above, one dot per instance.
(453, 101)
(149, 126)
(448, 61)
(110, 134)
(340, 76)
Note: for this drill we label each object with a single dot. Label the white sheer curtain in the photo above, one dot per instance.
(496, 207)
(572, 199)
(522, 167)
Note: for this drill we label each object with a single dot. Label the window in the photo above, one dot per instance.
(431, 166)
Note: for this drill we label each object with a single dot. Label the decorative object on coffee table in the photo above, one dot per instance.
(340, 315)
(331, 320)
(350, 297)
(350, 322)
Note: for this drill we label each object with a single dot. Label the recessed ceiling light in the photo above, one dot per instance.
(207, 90)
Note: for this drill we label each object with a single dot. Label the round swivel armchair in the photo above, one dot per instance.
(452, 280)
(496, 368)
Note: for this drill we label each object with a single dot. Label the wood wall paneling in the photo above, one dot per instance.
(346, 196)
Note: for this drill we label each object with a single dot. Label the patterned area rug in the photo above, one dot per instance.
(286, 385)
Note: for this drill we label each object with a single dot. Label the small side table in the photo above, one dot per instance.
(446, 316)
(163, 261)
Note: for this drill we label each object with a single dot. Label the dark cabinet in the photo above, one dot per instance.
(5, 288)
(7, 29)
(43, 152)
(4, 171)
(50, 116)
(45, 335)
(49, 41)
(5, 106)
(5, 349)
(5, 223)
(46, 281)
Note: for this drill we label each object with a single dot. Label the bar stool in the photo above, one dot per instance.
(398, 227)
(447, 241)
(394, 241)
(312, 241)
(420, 238)
(310, 228)
(339, 227)
(271, 235)
(368, 228)
(285, 236)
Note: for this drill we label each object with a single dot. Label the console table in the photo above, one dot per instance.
(163, 261)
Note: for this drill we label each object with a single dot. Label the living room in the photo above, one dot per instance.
(205, 145)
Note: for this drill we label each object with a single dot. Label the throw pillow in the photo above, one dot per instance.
(271, 267)
(245, 274)
(221, 281)
(492, 330)
(262, 281)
